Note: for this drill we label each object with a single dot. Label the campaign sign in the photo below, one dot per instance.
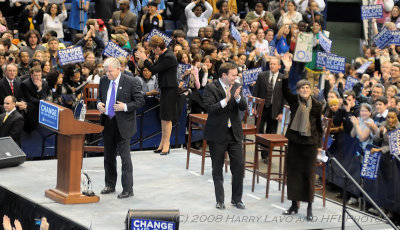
(332, 62)
(370, 164)
(303, 50)
(139, 224)
(272, 48)
(251, 75)
(112, 49)
(396, 37)
(48, 114)
(236, 34)
(350, 82)
(325, 42)
(364, 67)
(383, 39)
(181, 69)
(371, 11)
(72, 55)
(246, 91)
(394, 142)
(165, 37)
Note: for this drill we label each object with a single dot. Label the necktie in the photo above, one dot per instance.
(31, 26)
(12, 87)
(111, 102)
(270, 90)
(5, 118)
(229, 120)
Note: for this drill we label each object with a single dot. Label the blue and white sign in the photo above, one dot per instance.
(72, 55)
(303, 50)
(370, 164)
(167, 39)
(272, 48)
(383, 39)
(371, 11)
(140, 224)
(350, 82)
(48, 114)
(236, 34)
(251, 75)
(394, 142)
(325, 42)
(396, 37)
(246, 91)
(181, 69)
(332, 62)
(364, 67)
(112, 49)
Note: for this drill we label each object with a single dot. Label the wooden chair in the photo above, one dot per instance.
(197, 122)
(270, 141)
(255, 108)
(326, 123)
(90, 92)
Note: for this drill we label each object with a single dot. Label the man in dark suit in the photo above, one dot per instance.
(124, 19)
(11, 85)
(11, 121)
(34, 89)
(223, 100)
(119, 97)
(269, 87)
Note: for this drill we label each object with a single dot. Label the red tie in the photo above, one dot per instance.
(12, 87)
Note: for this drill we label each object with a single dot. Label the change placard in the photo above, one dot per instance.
(236, 34)
(371, 11)
(370, 164)
(350, 82)
(394, 142)
(396, 37)
(71, 55)
(251, 75)
(303, 50)
(167, 39)
(325, 42)
(112, 49)
(383, 39)
(246, 91)
(181, 69)
(331, 62)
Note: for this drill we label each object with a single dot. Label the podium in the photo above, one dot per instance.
(71, 137)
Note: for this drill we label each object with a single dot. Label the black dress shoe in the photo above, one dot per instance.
(157, 150)
(220, 206)
(107, 190)
(238, 204)
(292, 209)
(125, 195)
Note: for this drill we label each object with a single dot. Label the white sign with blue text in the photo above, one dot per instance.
(371, 11)
(331, 62)
(167, 39)
(303, 50)
(236, 34)
(48, 115)
(112, 49)
(251, 75)
(370, 164)
(394, 142)
(71, 55)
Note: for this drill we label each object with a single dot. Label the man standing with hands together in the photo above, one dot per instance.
(119, 97)
(223, 100)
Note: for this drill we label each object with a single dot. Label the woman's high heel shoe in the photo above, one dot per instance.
(165, 153)
(292, 209)
(157, 151)
(309, 214)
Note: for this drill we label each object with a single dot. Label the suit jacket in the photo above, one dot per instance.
(12, 126)
(33, 97)
(261, 90)
(5, 90)
(129, 93)
(166, 68)
(130, 21)
(24, 24)
(217, 123)
(315, 118)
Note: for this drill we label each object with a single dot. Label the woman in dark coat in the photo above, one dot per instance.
(304, 134)
(166, 68)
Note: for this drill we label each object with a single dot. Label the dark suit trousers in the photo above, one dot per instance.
(113, 143)
(272, 125)
(217, 152)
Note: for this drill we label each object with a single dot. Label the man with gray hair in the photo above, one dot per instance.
(119, 97)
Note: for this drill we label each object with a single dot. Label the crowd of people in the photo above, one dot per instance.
(30, 69)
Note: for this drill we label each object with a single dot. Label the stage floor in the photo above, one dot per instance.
(162, 182)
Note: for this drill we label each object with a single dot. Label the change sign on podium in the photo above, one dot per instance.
(48, 115)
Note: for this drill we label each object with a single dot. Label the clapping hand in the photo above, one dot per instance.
(237, 92)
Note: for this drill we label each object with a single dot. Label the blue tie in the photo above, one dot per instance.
(111, 102)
